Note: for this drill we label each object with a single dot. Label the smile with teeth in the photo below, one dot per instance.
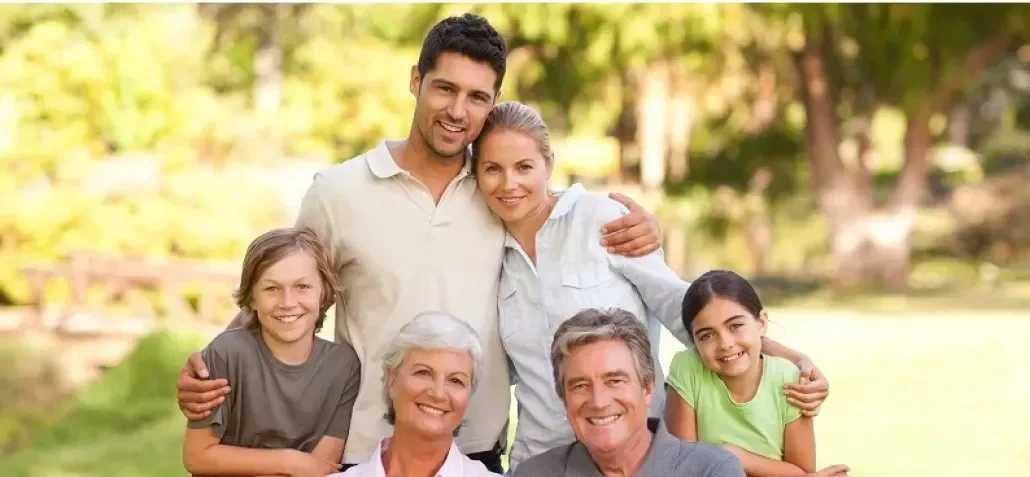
(451, 128)
(431, 410)
(287, 319)
(603, 421)
(731, 357)
(509, 200)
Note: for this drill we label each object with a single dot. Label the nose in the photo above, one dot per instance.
(436, 390)
(599, 398)
(725, 341)
(457, 109)
(287, 299)
(510, 183)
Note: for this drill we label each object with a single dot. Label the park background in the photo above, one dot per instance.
(865, 164)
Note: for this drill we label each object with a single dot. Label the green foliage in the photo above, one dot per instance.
(131, 395)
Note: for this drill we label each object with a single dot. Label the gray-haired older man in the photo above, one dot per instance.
(605, 375)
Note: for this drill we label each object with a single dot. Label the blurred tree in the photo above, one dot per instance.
(857, 58)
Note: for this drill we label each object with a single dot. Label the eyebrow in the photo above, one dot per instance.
(417, 364)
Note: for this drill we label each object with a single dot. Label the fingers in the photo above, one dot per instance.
(815, 397)
(634, 242)
(803, 386)
(804, 405)
(834, 471)
(624, 200)
(200, 404)
(189, 385)
(196, 366)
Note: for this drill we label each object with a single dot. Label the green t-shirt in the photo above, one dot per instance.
(756, 426)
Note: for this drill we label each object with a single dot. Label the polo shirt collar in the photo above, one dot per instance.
(580, 464)
(383, 165)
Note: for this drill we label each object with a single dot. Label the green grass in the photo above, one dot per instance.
(936, 393)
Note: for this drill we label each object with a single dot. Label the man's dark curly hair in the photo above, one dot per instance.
(470, 35)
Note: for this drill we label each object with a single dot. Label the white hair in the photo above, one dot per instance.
(431, 330)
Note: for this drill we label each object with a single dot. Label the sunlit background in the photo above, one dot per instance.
(866, 165)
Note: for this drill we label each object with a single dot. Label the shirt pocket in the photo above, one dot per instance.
(509, 317)
(584, 285)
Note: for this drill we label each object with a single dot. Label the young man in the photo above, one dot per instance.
(409, 232)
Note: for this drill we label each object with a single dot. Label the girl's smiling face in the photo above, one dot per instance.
(728, 337)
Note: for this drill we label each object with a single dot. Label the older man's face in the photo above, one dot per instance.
(604, 398)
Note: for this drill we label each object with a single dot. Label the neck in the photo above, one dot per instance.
(415, 157)
(524, 230)
(744, 387)
(290, 353)
(628, 458)
(420, 457)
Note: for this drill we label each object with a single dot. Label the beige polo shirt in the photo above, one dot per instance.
(397, 253)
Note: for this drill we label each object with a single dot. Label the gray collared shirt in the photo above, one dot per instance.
(667, 457)
(574, 272)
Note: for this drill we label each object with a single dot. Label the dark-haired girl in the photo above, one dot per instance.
(728, 393)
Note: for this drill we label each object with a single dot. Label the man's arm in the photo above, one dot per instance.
(633, 235)
(812, 388)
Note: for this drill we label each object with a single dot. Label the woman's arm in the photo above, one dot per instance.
(659, 288)
(812, 389)
(680, 419)
(799, 443)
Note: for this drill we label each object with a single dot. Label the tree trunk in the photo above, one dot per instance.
(682, 113)
(651, 126)
(268, 74)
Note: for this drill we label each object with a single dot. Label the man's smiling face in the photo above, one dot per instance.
(604, 398)
(454, 99)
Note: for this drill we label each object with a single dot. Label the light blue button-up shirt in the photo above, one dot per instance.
(574, 272)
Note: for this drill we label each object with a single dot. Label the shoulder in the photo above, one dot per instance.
(340, 355)
(351, 171)
(232, 342)
(780, 370)
(598, 207)
(545, 463)
(336, 349)
(687, 360)
(697, 458)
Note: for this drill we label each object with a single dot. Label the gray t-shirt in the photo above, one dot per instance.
(275, 405)
(667, 457)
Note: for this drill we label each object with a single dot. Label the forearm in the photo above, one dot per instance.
(224, 460)
(773, 348)
(758, 466)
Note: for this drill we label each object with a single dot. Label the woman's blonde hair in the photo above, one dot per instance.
(271, 247)
(516, 117)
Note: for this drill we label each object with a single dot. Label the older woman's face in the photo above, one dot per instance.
(430, 390)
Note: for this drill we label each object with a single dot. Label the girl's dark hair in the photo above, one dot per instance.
(719, 284)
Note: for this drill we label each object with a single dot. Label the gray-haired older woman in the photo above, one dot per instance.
(429, 372)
